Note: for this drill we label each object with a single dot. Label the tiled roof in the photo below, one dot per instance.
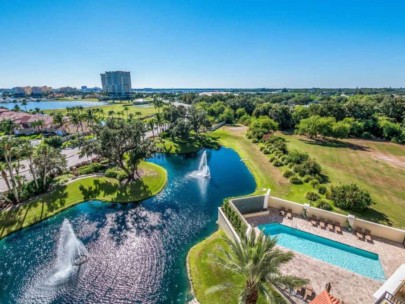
(324, 298)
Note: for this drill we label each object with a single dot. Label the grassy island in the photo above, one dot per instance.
(101, 188)
(205, 274)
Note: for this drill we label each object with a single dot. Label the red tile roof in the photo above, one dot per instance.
(324, 298)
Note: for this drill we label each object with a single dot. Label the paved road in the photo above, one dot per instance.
(72, 157)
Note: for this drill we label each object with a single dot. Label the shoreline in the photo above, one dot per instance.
(4, 233)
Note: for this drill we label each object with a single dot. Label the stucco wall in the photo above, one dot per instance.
(249, 204)
(226, 226)
(390, 233)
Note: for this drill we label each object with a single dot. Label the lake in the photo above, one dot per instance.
(137, 252)
(52, 104)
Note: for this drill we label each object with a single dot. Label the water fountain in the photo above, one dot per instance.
(71, 254)
(203, 169)
(63, 275)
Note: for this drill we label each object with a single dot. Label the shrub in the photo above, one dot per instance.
(291, 165)
(273, 158)
(297, 157)
(322, 204)
(351, 197)
(54, 141)
(321, 178)
(88, 169)
(295, 180)
(234, 218)
(116, 173)
(255, 141)
(266, 151)
(312, 196)
(314, 183)
(283, 158)
(322, 189)
(278, 163)
(307, 179)
(112, 173)
(288, 173)
(308, 167)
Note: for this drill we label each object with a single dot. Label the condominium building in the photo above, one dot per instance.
(116, 83)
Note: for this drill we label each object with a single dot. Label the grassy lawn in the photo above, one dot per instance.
(193, 144)
(100, 188)
(117, 107)
(374, 166)
(205, 274)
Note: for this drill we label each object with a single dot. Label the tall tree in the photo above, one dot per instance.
(121, 142)
(257, 261)
(47, 160)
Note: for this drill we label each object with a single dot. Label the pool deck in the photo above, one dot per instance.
(347, 286)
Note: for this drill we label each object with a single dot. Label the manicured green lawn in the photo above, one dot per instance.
(117, 107)
(361, 162)
(100, 188)
(193, 144)
(206, 274)
(374, 166)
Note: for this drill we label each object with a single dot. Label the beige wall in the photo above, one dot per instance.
(226, 226)
(393, 234)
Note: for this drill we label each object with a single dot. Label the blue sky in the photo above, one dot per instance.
(204, 43)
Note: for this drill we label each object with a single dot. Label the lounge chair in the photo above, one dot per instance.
(322, 223)
(289, 214)
(338, 229)
(308, 293)
(314, 221)
(282, 211)
(330, 226)
(359, 234)
(299, 291)
(367, 236)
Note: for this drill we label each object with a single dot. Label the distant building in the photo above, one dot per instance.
(39, 91)
(67, 90)
(22, 91)
(84, 88)
(116, 84)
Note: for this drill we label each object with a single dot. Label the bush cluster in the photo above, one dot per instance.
(89, 169)
(351, 197)
(295, 180)
(237, 223)
(312, 196)
(288, 173)
(116, 173)
(322, 204)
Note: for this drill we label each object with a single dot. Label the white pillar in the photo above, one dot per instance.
(266, 199)
(351, 219)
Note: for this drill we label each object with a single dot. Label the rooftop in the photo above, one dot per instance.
(348, 286)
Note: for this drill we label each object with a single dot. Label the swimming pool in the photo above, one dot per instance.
(351, 258)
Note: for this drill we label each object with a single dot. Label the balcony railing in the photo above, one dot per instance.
(388, 298)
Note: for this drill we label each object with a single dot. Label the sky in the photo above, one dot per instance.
(204, 43)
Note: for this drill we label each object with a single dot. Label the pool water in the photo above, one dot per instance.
(351, 258)
(137, 252)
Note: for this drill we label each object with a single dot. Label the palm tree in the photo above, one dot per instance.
(8, 146)
(257, 261)
(24, 103)
(47, 160)
(3, 172)
(151, 124)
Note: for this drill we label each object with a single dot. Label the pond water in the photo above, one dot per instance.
(52, 104)
(137, 252)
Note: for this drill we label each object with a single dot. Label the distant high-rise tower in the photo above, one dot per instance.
(116, 83)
